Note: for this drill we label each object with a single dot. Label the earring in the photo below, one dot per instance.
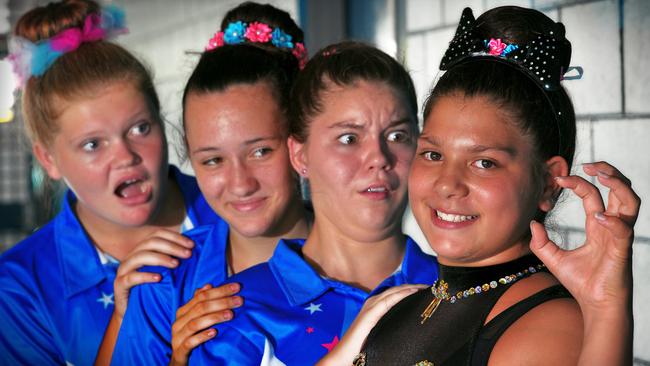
(304, 171)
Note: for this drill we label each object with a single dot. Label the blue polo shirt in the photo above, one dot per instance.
(294, 316)
(56, 290)
(146, 331)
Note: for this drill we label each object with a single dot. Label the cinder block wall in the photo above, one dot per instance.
(611, 41)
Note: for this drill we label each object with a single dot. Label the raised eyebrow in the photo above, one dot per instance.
(400, 121)
(346, 124)
(138, 117)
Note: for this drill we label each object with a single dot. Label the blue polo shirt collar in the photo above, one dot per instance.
(301, 284)
(212, 252)
(80, 263)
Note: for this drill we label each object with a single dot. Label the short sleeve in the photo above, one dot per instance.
(25, 335)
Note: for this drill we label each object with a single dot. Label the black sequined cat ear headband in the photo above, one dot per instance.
(545, 59)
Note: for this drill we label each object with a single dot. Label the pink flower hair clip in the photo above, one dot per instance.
(498, 48)
(257, 32)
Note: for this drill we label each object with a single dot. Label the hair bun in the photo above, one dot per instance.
(46, 21)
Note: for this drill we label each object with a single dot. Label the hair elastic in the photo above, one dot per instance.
(34, 59)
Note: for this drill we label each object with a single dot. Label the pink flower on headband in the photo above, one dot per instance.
(496, 46)
(301, 54)
(215, 41)
(258, 32)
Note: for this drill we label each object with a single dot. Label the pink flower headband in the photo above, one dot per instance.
(256, 32)
(34, 59)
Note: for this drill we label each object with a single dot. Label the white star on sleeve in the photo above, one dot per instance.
(312, 308)
(106, 299)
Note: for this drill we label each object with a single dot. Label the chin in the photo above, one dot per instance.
(251, 230)
(137, 217)
(445, 248)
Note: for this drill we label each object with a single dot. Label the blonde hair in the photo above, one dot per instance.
(75, 74)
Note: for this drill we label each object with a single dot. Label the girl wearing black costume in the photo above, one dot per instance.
(495, 151)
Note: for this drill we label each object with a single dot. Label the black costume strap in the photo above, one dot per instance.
(492, 331)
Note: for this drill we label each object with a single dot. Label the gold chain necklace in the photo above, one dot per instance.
(440, 288)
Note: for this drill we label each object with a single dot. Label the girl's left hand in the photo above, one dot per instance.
(599, 273)
(372, 311)
(194, 320)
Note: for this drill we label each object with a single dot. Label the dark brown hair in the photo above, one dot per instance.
(547, 116)
(249, 63)
(344, 64)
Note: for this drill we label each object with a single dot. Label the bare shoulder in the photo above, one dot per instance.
(549, 334)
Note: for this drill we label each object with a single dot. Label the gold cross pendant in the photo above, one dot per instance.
(433, 306)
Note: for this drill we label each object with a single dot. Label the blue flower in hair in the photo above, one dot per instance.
(281, 39)
(234, 32)
(509, 48)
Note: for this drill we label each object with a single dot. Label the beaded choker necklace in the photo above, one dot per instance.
(440, 289)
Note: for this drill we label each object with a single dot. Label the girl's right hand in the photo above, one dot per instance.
(160, 249)
(208, 307)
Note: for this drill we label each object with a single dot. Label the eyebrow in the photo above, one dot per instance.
(247, 143)
(510, 151)
(359, 126)
(133, 120)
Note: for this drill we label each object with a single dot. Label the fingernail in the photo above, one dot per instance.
(558, 178)
(236, 301)
(212, 332)
(227, 315)
(187, 252)
(173, 262)
(600, 217)
(603, 174)
(233, 287)
(155, 277)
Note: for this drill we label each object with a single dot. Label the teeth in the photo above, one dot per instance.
(376, 189)
(453, 218)
(130, 181)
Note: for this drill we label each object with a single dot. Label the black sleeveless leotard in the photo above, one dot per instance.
(455, 334)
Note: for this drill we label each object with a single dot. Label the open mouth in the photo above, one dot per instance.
(131, 188)
(455, 218)
(376, 192)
